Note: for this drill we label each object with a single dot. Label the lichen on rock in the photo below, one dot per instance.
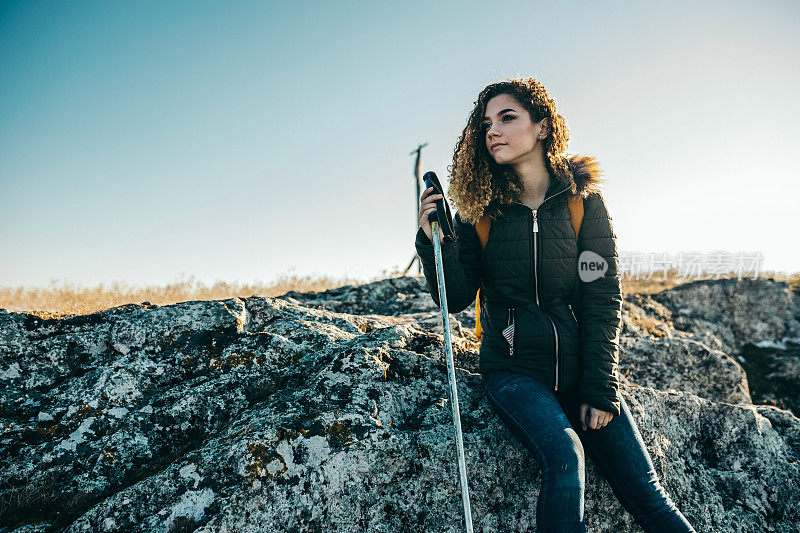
(329, 411)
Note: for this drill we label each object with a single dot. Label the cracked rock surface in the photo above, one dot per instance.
(329, 412)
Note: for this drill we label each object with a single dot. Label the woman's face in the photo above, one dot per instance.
(508, 125)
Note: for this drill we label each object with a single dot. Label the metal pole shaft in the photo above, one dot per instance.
(451, 375)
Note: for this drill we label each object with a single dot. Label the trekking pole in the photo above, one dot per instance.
(451, 372)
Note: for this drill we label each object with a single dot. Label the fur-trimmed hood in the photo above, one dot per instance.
(586, 175)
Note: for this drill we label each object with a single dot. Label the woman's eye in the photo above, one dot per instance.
(486, 124)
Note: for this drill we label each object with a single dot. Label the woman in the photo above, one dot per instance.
(550, 331)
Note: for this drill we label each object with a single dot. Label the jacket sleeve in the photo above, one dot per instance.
(462, 265)
(600, 310)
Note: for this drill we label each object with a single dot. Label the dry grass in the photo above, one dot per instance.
(67, 299)
(59, 300)
(661, 281)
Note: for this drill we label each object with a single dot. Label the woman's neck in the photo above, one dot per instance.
(535, 178)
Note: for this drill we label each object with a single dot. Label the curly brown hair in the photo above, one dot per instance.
(478, 185)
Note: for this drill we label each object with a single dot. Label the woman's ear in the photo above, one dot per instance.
(545, 129)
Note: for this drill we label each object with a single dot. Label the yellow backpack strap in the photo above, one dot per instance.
(482, 227)
(576, 212)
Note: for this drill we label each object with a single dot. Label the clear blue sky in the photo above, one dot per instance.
(147, 141)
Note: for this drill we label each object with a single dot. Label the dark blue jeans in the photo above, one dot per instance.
(548, 424)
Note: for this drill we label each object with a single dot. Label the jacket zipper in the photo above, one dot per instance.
(535, 231)
(555, 336)
(573, 314)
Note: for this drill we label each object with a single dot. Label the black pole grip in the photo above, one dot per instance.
(434, 215)
(442, 212)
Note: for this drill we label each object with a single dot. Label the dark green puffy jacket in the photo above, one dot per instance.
(566, 330)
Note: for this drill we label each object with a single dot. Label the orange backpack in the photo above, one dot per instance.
(482, 227)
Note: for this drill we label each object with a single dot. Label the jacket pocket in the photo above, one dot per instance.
(570, 329)
(509, 332)
(571, 310)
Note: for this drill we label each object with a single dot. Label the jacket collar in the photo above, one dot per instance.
(584, 179)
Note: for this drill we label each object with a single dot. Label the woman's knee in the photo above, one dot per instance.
(563, 453)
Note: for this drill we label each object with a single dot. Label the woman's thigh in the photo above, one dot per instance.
(533, 413)
(619, 452)
(617, 448)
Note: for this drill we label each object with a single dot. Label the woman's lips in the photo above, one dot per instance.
(498, 146)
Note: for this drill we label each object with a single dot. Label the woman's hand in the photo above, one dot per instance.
(597, 419)
(427, 206)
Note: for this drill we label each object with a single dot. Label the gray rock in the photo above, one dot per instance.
(655, 354)
(329, 412)
(756, 321)
(734, 311)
